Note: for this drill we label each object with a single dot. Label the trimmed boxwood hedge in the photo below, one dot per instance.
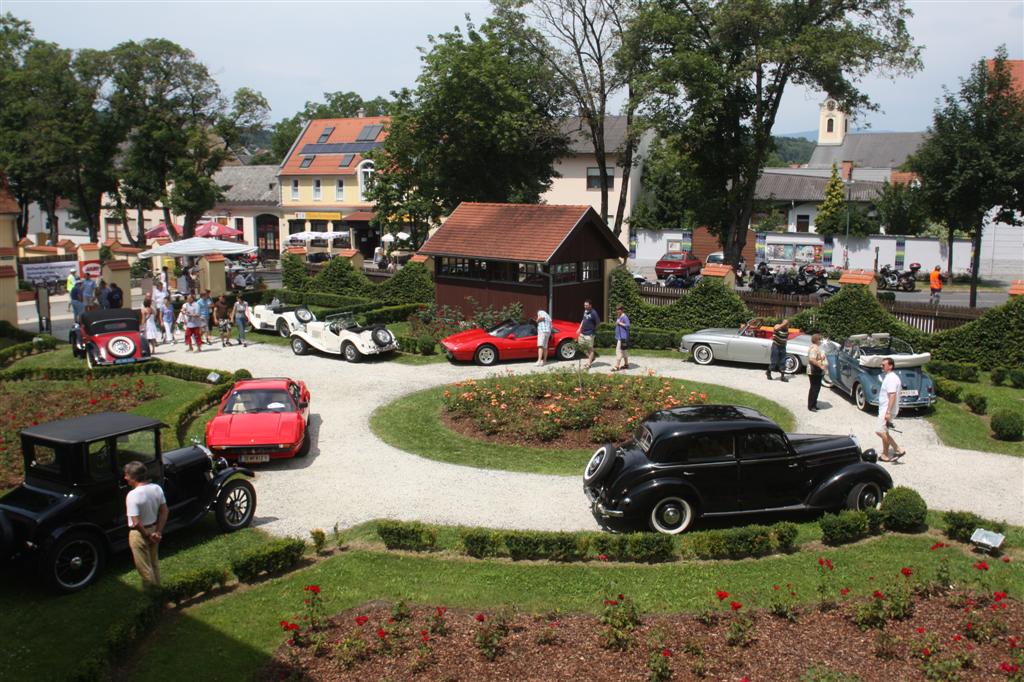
(709, 304)
(273, 557)
(389, 314)
(1007, 424)
(191, 583)
(854, 310)
(411, 284)
(9, 331)
(647, 338)
(960, 525)
(39, 344)
(904, 510)
(411, 535)
(995, 339)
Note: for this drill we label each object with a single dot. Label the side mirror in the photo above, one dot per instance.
(303, 404)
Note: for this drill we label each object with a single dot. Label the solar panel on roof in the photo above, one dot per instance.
(369, 133)
(339, 148)
(346, 160)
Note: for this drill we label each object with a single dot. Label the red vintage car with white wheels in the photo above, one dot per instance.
(261, 419)
(108, 337)
(511, 341)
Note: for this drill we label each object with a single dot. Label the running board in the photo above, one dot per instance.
(792, 508)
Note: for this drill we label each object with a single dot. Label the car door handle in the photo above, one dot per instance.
(794, 465)
(687, 473)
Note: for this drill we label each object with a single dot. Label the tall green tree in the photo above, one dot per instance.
(712, 74)
(481, 125)
(901, 209)
(335, 105)
(970, 164)
(837, 215)
(16, 37)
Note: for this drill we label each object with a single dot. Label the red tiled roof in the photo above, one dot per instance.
(419, 258)
(716, 270)
(25, 241)
(347, 253)
(121, 248)
(1017, 288)
(345, 130)
(298, 250)
(111, 242)
(8, 251)
(66, 243)
(214, 257)
(44, 249)
(1016, 69)
(360, 216)
(7, 271)
(118, 265)
(857, 277)
(513, 232)
(89, 246)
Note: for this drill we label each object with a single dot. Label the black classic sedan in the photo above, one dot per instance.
(69, 513)
(719, 460)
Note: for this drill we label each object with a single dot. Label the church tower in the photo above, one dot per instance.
(833, 124)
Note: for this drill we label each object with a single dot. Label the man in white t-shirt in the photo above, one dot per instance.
(888, 408)
(147, 516)
(543, 336)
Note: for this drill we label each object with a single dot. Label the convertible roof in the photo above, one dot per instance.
(90, 427)
(704, 418)
(92, 319)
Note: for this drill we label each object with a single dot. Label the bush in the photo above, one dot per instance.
(388, 314)
(999, 375)
(709, 304)
(540, 545)
(994, 339)
(960, 525)
(411, 535)
(1017, 377)
(274, 557)
(411, 284)
(785, 536)
(887, 296)
(948, 390)
(958, 371)
(745, 541)
(481, 543)
(875, 520)
(427, 345)
(854, 310)
(12, 354)
(293, 272)
(843, 528)
(649, 548)
(340, 278)
(9, 331)
(1007, 424)
(976, 402)
(242, 374)
(904, 510)
(193, 582)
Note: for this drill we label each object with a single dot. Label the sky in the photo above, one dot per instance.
(295, 50)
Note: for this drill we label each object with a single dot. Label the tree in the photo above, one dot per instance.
(16, 37)
(970, 164)
(837, 216)
(335, 105)
(578, 39)
(481, 125)
(712, 74)
(662, 204)
(901, 210)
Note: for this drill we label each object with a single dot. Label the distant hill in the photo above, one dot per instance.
(789, 150)
(811, 135)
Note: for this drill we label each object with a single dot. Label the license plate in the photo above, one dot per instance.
(123, 361)
(253, 459)
(909, 393)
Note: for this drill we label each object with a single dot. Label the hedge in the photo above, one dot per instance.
(647, 338)
(191, 583)
(392, 313)
(120, 640)
(39, 344)
(904, 510)
(646, 548)
(551, 546)
(958, 371)
(9, 331)
(843, 528)
(411, 284)
(960, 525)
(948, 390)
(411, 535)
(854, 310)
(709, 304)
(1007, 424)
(976, 402)
(273, 557)
(339, 277)
(324, 300)
(746, 541)
(995, 339)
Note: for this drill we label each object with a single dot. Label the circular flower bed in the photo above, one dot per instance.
(561, 408)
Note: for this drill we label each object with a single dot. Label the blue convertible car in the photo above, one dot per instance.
(856, 369)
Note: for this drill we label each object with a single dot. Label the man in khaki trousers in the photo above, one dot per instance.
(147, 516)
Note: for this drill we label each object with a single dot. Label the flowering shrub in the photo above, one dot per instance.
(782, 602)
(659, 665)
(621, 618)
(37, 402)
(489, 636)
(540, 407)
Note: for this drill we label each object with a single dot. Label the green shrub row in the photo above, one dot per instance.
(976, 402)
(391, 313)
(540, 545)
(273, 557)
(411, 284)
(191, 583)
(958, 371)
(947, 389)
(526, 545)
(1017, 377)
(996, 339)
(850, 526)
(324, 300)
(40, 344)
(424, 345)
(9, 331)
(1007, 424)
(180, 418)
(119, 641)
(960, 525)
(410, 535)
(646, 338)
(854, 310)
(709, 304)
(742, 542)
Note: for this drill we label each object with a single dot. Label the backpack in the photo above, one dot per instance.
(115, 298)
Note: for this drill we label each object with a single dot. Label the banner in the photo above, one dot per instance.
(901, 252)
(632, 242)
(826, 254)
(759, 247)
(93, 267)
(41, 272)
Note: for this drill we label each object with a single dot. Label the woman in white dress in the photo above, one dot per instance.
(149, 328)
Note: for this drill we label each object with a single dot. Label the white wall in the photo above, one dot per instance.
(37, 224)
(1002, 252)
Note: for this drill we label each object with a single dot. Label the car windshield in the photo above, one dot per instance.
(883, 344)
(716, 258)
(502, 330)
(252, 401)
(643, 438)
(672, 256)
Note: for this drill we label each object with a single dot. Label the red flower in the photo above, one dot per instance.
(999, 596)
(93, 401)
(480, 617)
(735, 605)
(1009, 668)
(284, 624)
(926, 652)
(920, 631)
(381, 633)
(981, 566)
(722, 595)
(938, 545)
(844, 591)
(1012, 641)
(775, 587)
(825, 563)
(441, 610)
(423, 632)
(878, 595)
(425, 638)
(611, 602)
(621, 597)
(666, 653)
(315, 589)
(602, 557)
(1006, 559)
(361, 620)
(906, 572)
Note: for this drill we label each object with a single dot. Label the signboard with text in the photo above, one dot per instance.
(93, 267)
(41, 272)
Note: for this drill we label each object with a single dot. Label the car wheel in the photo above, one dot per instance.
(282, 329)
(702, 354)
(908, 285)
(566, 350)
(860, 398)
(236, 505)
(601, 462)
(672, 515)
(791, 364)
(864, 496)
(351, 353)
(307, 443)
(73, 340)
(299, 347)
(91, 361)
(486, 355)
(74, 561)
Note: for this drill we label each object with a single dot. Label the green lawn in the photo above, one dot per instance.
(412, 423)
(56, 632)
(241, 631)
(958, 427)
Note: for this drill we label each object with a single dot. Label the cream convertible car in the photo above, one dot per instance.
(340, 334)
(752, 343)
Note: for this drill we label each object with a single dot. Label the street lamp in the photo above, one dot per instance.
(846, 242)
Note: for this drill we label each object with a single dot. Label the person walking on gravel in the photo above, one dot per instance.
(543, 336)
(817, 365)
(193, 325)
(240, 312)
(621, 340)
(780, 335)
(587, 331)
(888, 408)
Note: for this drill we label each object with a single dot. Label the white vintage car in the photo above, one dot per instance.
(279, 317)
(341, 335)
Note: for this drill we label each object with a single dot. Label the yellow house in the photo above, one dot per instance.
(324, 177)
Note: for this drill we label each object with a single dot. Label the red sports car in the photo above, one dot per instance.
(511, 341)
(678, 263)
(260, 420)
(108, 337)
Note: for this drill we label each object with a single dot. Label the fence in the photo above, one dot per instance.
(921, 316)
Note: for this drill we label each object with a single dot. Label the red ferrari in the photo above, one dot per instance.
(260, 420)
(511, 341)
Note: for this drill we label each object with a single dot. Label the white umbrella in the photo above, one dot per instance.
(403, 235)
(388, 238)
(197, 246)
(334, 234)
(304, 236)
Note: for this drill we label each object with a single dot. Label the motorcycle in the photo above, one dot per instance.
(908, 278)
(762, 279)
(682, 281)
(887, 278)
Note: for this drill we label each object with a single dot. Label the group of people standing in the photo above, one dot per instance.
(86, 293)
(585, 336)
(196, 317)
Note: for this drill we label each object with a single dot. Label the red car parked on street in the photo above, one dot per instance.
(261, 419)
(511, 341)
(678, 263)
(108, 337)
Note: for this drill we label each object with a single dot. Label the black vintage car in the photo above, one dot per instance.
(719, 460)
(69, 513)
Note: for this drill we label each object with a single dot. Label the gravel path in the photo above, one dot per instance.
(350, 476)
